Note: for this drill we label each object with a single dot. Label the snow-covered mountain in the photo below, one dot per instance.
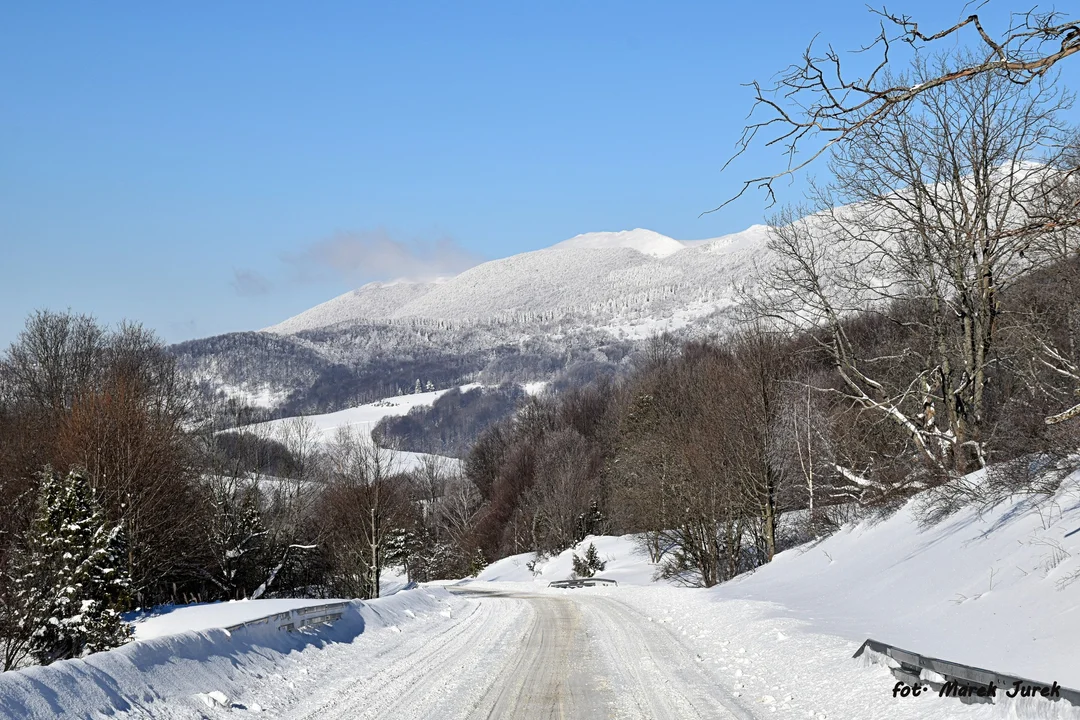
(566, 313)
(601, 279)
(644, 241)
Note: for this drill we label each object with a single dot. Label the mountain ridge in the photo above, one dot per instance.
(602, 278)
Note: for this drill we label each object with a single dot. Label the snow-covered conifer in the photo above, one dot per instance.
(592, 559)
(75, 581)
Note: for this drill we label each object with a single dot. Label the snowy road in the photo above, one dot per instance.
(516, 654)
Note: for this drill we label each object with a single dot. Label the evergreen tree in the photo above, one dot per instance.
(581, 568)
(399, 548)
(592, 559)
(477, 563)
(589, 522)
(430, 387)
(590, 564)
(74, 583)
(418, 388)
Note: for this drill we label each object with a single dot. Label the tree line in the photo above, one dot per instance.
(125, 487)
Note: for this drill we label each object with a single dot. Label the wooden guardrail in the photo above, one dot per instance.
(298, 617)
(952, 679)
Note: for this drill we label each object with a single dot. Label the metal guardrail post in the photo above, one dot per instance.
(290, 620)
(911, 666)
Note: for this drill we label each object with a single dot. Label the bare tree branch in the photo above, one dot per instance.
(813, 103)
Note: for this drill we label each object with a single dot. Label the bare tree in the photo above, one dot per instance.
(567, 486)
(936, 226)
(804, 425)
(457, 513)
(818, 104)
(365, 502)
(55, 358)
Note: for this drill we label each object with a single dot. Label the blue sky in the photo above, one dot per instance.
(213, 167)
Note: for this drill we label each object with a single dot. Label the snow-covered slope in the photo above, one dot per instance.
(646, 242)
(362, 419)
(608, 278)
(998, 589)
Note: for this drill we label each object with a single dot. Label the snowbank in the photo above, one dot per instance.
(181, 675)
(998, 590)
(175, 619)
(172, 619)
(625, 563)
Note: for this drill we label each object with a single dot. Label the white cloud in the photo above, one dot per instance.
(360, 257)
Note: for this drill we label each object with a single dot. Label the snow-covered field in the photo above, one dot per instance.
(362, 418)
(321, 429)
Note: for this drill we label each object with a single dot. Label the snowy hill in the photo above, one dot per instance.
(646, 242)
(603, 278)
(361, 420)
(567, 309)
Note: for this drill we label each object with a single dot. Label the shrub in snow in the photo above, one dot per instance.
(478, 563)
(590, 564)
(74, 582)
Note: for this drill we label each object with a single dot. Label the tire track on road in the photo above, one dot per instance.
(426, 675)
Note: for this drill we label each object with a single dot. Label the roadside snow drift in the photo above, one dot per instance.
(997, 589)
(185, 674)
(624, 563)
